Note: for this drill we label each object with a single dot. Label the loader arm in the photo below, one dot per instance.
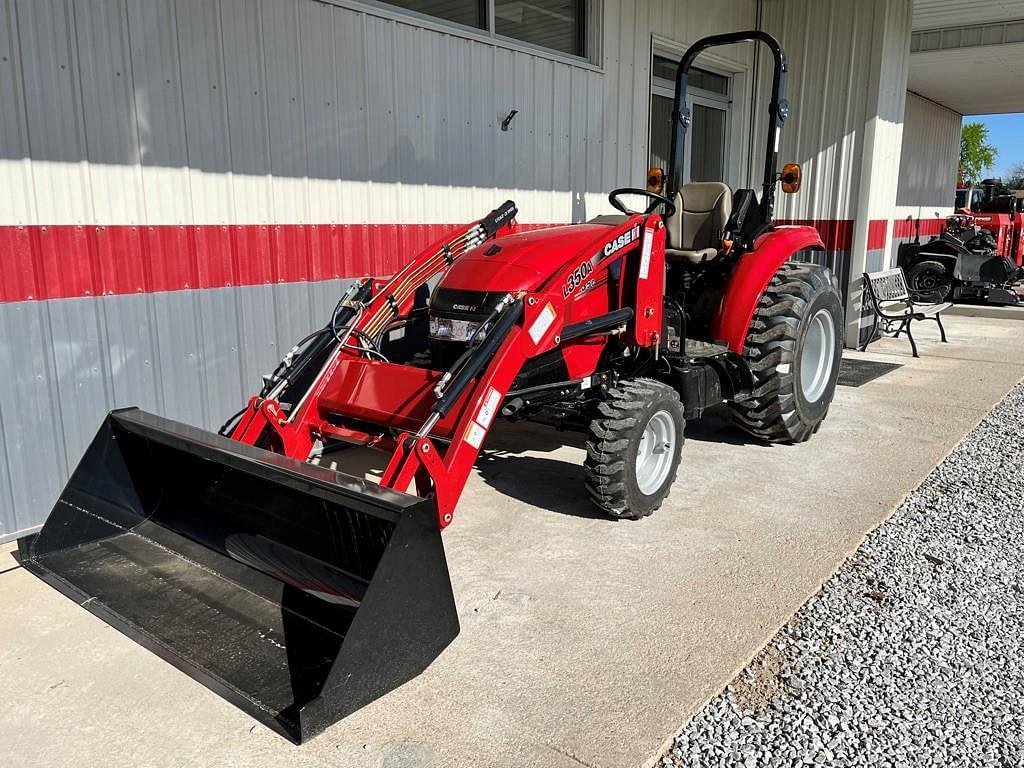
(365, 315)
(531, 325)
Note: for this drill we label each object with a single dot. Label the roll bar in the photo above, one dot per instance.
(778, 111)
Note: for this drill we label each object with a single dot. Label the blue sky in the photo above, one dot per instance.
(1006, 133)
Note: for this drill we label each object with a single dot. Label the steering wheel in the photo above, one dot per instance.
(656, 200)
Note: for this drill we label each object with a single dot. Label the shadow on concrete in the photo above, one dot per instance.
(716, 426)
(551, 483)
(554, 485)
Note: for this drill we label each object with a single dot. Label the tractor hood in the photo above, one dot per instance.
(523, 262)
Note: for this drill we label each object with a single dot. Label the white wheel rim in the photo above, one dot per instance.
(817, 355)
(655, 453)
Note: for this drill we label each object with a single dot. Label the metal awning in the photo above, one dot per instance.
(969, 54)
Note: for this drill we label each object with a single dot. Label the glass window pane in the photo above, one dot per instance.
(707, 147)
(554, 24)
(709, 81)
(468, 12)
(665, 69)
(661, 131)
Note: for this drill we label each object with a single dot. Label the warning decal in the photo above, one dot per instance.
(475, 434)
(489, 408)
(542, 323)
(645, 254)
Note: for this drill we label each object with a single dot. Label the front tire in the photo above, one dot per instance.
(793, 348)
(634, 448)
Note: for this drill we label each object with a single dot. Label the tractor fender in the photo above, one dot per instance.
(751, 276)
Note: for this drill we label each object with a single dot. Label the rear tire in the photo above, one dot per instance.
(929, 281)
(634, 448)
(793, 348)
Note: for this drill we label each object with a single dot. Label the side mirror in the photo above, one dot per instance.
(656, 180)
(790, 178)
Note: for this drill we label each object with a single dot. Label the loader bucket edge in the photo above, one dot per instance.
(297, 593)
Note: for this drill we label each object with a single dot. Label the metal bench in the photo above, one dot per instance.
(889, 298)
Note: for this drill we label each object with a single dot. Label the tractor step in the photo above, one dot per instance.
(696, 349)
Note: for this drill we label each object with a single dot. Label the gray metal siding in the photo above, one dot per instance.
(193, 356)
(931, 154)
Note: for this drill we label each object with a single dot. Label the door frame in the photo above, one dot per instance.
(711, 100)
(737, 172)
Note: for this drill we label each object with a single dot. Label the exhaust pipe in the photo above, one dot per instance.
(297, 593)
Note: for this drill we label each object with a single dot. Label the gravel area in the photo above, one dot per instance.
(911, 655)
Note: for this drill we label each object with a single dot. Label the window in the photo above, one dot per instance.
(665, 69)
(557, 25)
(472, 13)
(706, 153)
(554, 24)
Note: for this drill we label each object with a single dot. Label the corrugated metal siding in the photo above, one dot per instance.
(849, 64)
(931, 150)
(285, 111)
(194, 356)
(936, 14)
(828, 92)
(235, 112)
(168, 112)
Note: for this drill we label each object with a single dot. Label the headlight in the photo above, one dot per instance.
(447, 329)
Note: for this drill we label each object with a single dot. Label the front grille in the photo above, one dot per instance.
(465, 305)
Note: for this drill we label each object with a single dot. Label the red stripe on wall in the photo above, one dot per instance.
(58, 262)
(836, 234)
(904, 229)
(878, 229)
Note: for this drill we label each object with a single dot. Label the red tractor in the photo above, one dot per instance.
(1003, 216)
(301, 593)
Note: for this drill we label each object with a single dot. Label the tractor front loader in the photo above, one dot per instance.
(301, 593)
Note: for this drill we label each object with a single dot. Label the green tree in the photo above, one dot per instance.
(1015, 178)
(976, 154)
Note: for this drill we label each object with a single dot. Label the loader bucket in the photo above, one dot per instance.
(298, 593)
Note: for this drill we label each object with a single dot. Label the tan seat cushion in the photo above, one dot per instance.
(692, 256)
(702, 210)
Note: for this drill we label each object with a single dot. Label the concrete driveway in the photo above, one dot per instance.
(584, 641)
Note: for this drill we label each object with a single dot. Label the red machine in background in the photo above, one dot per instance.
(300, 593)
(1003, 216)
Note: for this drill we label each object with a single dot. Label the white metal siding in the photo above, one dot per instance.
(936, 14)
(293, 111)
(931, 151)
(834, 96)
(286, 111)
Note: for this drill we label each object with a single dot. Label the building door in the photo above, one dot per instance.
(706, 155)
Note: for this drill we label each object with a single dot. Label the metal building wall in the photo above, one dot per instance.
(928, 171)
(928, 165)
(849, 65)
(187, 183)
(829, 111)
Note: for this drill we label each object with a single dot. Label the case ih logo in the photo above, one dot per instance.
(622, 241)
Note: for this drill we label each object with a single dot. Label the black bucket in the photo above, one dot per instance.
(298, 593)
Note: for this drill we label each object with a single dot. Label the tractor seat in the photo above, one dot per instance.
(695, 231)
